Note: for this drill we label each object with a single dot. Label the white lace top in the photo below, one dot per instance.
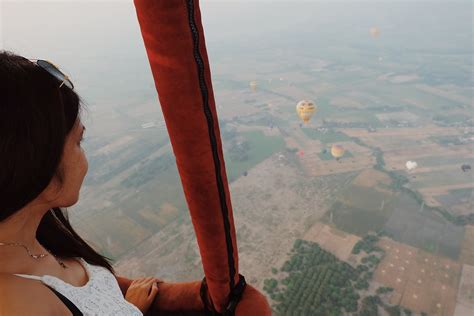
(101, 295)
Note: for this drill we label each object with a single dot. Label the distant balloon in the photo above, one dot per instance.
(253, 85)
(411, 165)
(465, 168)
(337, 151)
(374, 32)
(305, 109)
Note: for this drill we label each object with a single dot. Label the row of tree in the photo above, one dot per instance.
(317, 283)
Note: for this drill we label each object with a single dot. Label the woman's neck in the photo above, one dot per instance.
(21, 228)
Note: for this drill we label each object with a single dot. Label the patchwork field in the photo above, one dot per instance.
(465, 298)
(467, 247)
(360, 158)
(333, 240)
(421, 282)
(438, 174)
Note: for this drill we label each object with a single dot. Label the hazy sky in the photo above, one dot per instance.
(100, 37)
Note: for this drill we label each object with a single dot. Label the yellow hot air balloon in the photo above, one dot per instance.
(305, 109)
(253, 85)
(374, 32)
(337, 151)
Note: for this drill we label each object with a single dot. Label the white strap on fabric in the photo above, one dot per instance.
(28, 276)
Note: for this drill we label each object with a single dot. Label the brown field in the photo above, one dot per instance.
(345, 120)
(414, 133)
(399, 116)
(360, 95)
(267, 131)
(467, 250)
(422, 169)
(401, 145)
(431, 193)
(451, 95)
(293, 76)
(465, 299)
(397, 157)
(372, 178)
(316, 167)
(120, 142)
(293, 91)
(422, 282)
(404, 78)
(444, 189)
(347, 102)
(230, 104)
(416, 103)
(292, 143)
(333, 240)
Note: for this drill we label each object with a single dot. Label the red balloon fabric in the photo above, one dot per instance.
(174, 40)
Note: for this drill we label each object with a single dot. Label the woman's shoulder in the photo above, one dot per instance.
(19, 296)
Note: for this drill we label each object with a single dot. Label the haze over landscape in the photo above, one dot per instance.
(387, 228)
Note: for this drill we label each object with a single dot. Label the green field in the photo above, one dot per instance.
(328, 137)
(355, 220)
(259, 147)
(359, 210)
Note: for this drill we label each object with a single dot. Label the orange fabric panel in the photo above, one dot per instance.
(184, 92)
(174, 41)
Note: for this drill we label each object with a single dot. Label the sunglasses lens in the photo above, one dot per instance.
(53, 70)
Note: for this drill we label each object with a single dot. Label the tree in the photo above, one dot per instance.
(393, 310)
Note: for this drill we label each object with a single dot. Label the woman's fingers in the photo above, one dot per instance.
(143, 280)
(153, 292)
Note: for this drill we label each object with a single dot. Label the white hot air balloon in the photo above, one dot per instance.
(411, 165)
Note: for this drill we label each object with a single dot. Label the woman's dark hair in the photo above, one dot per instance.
(36, 116)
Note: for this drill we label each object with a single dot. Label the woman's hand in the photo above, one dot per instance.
(142, 292)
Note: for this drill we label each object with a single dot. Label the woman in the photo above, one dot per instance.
(46, 268)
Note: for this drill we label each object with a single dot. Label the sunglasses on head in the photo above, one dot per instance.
(54, 71)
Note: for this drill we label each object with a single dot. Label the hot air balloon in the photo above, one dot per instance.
(411, 165)
(305, 109)
(337, 151)
(374, 32)
(253, 86)
(465, 168)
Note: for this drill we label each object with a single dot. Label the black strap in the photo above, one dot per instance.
(234, 298)
(70, 305)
